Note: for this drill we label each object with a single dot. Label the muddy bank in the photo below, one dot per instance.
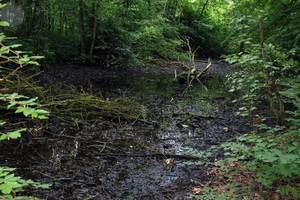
(119, 159)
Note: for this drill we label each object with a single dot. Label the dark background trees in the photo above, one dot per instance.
(131, 32)
(112, 33)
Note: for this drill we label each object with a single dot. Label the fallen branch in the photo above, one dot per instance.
(192, 74)
(196, 115)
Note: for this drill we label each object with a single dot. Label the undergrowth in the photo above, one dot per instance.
(265, 163)
(10, 101)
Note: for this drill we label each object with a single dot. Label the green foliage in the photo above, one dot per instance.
(256, 80)
(157, 39)
(10, 184)
(273, 155)
(292, 94)
(144, 113)
(238, 38)
(270, 156)
(11, 135)
(24, 106)
(128, 33)
(8, 55)
(200, 22)
(114, 44)
(275, 159)
(280, 27)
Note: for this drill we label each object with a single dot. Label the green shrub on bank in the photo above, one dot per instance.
(10, 184)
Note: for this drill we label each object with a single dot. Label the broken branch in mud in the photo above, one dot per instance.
(191, 74)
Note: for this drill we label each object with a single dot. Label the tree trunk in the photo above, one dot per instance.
(95, 10)
(41, 17)
(81, 27)
(203, 8)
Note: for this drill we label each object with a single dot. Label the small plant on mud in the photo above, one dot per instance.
(253, 163)
(144, 113)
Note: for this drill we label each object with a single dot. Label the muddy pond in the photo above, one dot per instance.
(115, 159)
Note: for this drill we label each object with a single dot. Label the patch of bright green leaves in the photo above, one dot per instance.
(11, 184)
(273, 158)
(24, 106)
(255, 80)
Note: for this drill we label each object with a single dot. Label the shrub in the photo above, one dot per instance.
(10, 184)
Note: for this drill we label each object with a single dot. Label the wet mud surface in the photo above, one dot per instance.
(119, 159)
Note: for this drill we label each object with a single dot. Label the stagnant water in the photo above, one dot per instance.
(119, 159)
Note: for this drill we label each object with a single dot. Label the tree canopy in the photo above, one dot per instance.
(126, 32)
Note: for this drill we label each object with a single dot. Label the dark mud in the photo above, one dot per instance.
(119, 159)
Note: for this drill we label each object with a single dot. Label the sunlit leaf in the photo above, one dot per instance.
(4, 23)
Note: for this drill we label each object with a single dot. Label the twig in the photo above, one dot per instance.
(191, 115)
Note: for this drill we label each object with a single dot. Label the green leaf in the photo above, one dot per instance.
(222, 197)
(19, 110)
(4, 49)
(15, 45)
(28, 111)
(11, 104)
(5, 189)
(285, 170)
(3, 137)
(266, 156)
(2, 5)
(42, 117)
(15, 134)
(4, 23)
(288, 158)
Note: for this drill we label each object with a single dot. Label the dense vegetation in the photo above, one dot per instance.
(259, 38)
(129, 32)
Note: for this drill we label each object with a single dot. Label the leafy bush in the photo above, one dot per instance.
(113, 46)
(198, 23)
(273, 155)
(158, 39)
(258, 80)
(59, 48)
(10, 184)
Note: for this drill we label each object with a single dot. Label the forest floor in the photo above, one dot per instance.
(114, 158)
